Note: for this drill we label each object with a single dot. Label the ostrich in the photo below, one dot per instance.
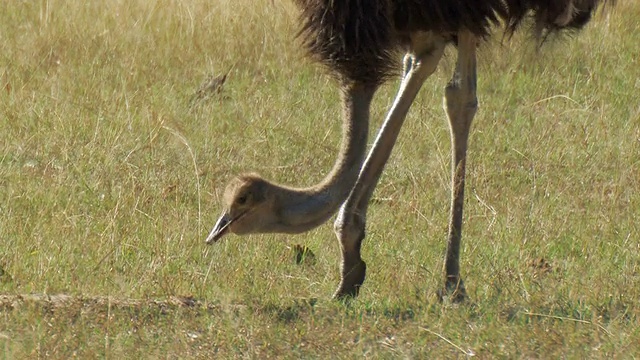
(357, 41)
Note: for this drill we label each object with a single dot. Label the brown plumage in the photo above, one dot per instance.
(357, 40)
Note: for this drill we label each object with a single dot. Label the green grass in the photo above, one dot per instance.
(111, 177)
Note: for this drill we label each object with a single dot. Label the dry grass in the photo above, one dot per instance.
(111, 172)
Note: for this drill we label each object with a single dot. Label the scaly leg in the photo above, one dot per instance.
(350, 224)
(460, 104)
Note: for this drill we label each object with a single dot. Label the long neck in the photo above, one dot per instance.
(303, 209)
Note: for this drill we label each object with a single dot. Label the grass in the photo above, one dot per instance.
(111, 177)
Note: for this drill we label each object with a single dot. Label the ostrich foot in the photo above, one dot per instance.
(352, 278)
(453, 290)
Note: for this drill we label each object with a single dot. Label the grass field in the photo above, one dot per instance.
(112, 168)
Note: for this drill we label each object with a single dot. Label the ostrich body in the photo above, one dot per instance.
(357, 41)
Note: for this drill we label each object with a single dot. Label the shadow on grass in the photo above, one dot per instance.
(303, 309)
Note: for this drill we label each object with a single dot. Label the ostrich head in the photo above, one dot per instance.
(249, 207)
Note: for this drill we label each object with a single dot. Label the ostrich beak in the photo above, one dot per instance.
(221, 227)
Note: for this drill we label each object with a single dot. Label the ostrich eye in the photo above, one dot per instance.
(242, 199)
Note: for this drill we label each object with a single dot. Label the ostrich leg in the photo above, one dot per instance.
(421, 62)
(460, 104)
